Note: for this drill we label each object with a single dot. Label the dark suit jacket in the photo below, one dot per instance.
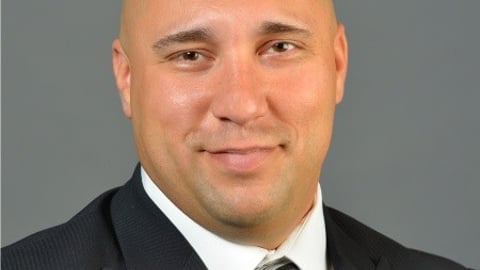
(123, 229)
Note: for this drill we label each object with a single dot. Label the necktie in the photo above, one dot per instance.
(279, 264)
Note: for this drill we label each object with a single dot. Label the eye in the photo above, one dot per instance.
(281, 52)
(191, 60)
(279, 47)
(282, 46)
(190, 56)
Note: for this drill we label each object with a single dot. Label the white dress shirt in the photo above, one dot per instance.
(306, 245)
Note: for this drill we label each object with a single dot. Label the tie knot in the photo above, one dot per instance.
(279, 264)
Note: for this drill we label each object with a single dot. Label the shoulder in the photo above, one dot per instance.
(380, 247)
(85, 241)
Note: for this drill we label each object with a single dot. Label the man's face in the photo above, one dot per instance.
(232, 105)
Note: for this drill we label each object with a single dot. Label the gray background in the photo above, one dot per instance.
(405, 155)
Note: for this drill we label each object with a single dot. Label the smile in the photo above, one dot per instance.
(243, 161)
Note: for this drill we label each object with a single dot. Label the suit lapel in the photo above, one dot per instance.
(343, 252)
(147, 238)
(383, 264)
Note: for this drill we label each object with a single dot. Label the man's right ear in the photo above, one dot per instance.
(122, 72)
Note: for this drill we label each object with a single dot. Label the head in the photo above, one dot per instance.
(232, 106)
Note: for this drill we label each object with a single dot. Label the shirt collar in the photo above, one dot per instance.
(309, 248)
(306, 246)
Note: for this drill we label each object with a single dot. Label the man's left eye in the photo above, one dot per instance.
(282, 46)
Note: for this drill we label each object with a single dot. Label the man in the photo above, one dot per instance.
(232, 106)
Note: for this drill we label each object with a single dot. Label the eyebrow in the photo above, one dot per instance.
(193, 35)
(271, 27)
(205, 35)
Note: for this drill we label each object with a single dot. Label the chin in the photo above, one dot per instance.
(243, 203)
(245, 219)
(246, 210)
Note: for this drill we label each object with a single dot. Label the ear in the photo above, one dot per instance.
(122, 72)
(341, 60)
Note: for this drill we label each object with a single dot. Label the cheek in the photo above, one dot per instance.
(305, 98)
(165, 110)
(304, 95)
(170, 103)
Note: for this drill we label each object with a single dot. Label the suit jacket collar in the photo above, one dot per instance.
(147, 239)
(345, 252)
(158, 244)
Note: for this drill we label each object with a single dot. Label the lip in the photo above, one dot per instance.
(241, 160)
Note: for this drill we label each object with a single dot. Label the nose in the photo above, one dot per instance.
(241, 96)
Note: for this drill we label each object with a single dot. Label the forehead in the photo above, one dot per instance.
(163, 16)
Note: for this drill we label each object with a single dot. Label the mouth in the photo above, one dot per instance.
(241, 160)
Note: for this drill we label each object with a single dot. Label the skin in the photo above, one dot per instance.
(232, 106)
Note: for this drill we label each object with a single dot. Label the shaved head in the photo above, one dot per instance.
(132, 10)
(232, 106)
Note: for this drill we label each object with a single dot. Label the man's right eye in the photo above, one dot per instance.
(191, 60)
(190, 56)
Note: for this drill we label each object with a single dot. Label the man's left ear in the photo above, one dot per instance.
(122, 72)
(341, 60)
